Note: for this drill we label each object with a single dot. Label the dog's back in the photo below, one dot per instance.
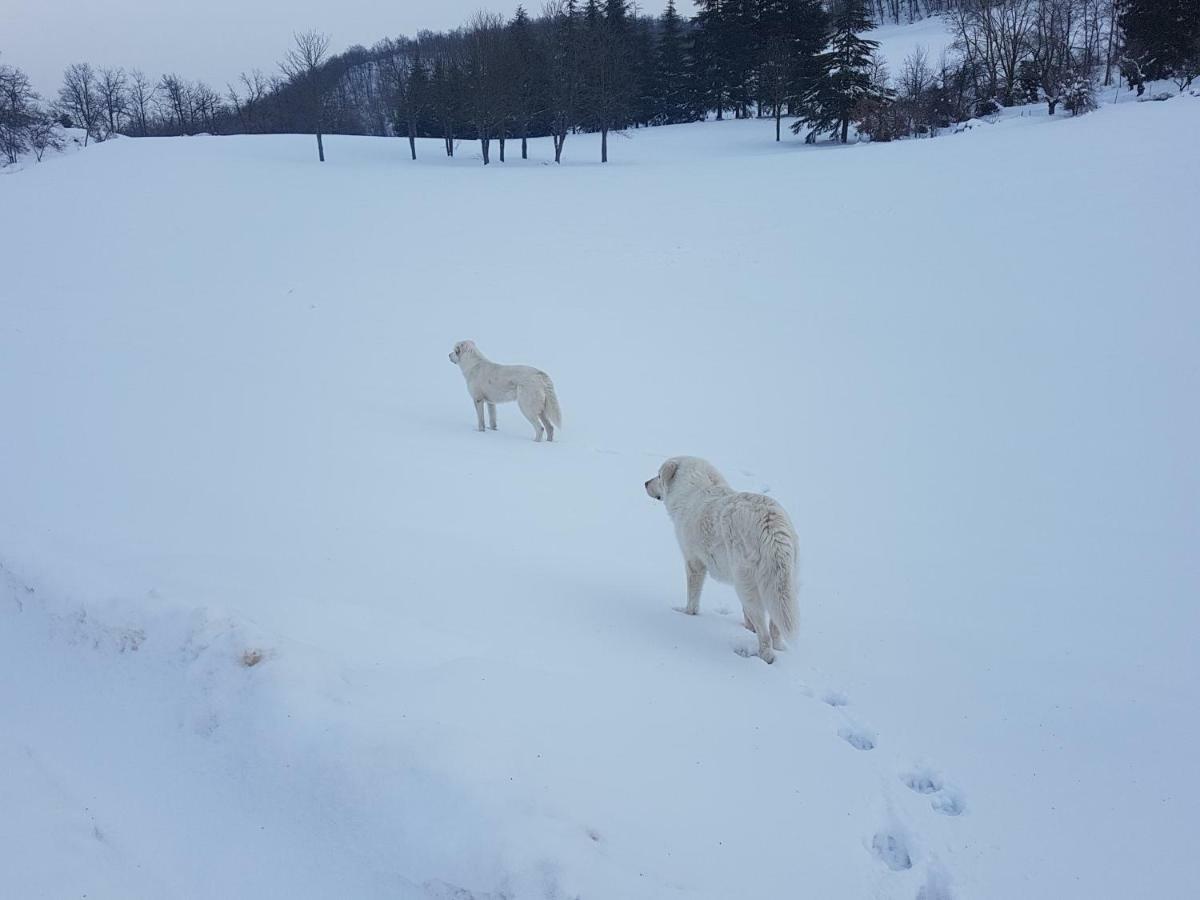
(737, 533)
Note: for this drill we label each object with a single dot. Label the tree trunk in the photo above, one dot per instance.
(1112, 27)
(778, 116)
(412, 139)
(524, 147)
(559, 140)
(845, 131)
(604, 145)
(502, 149)
(1052, 103)
(486, 144)
(320, 146)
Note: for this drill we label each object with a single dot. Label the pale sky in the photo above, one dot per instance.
(212, 40)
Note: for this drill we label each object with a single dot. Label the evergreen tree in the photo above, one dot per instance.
(672, 103)
(709, 61)
(790, 34)
(607, 86)
(843, 73)
(740, 29)
(1163, 36)
(643, 54)
(564, 73)
(528, 70)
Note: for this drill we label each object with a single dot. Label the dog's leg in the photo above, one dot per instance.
(776, 638)
(695, 583)
(531, 406)
(756, 612)
(479, 414)
(491, 408)
(545, 420)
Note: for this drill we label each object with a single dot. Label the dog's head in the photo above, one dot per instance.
(680, 474)
(460, 349)
(658, 486)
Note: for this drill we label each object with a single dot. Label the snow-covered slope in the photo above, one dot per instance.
(276, 621)
(897, 42)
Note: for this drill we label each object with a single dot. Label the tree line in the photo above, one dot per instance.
(597, 66)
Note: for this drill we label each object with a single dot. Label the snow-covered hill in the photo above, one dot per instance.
(275, 621)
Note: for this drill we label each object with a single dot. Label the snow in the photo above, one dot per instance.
(276, 621)
(72, 142)
(897, 42)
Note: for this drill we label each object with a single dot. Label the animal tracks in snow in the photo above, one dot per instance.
(896, 845)
(891, 848)
(857, 737)
(943, 798)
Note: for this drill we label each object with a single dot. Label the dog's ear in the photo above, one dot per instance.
(669, 468)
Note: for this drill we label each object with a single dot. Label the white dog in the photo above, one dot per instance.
(742, 539)
(491, 383)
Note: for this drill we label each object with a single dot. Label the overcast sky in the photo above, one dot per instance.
(212, 40)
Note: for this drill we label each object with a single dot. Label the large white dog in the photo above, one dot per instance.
(492, 383)
(742, 539)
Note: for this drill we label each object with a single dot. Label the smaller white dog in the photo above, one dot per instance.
(742, 539)
(492, 383)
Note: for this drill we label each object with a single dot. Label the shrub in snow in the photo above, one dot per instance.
(1080, 95)
(879, 119)
(1029, 85)
(988, 107)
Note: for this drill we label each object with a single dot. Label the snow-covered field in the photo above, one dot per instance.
(259, 637)
(897, 42)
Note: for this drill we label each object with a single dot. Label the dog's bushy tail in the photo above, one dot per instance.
(553, 413)
(782, 604)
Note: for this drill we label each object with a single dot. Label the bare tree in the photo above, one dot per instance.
(111, 87)
(485, 77)
(248, 106)
(43, 136)
(79, 99)
(1053, 32)
(993, 37)
(304, 67)
(176, 100)
(18, 112)
(141, 96)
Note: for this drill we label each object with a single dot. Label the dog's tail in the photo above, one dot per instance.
(780, 590)
(553, 413)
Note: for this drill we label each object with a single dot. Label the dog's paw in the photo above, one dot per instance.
(491, 428)
(767, 655)
(686, 611)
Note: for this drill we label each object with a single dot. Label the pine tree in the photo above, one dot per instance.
(672, 104)
(564, 74)
(643, 53)
(709, 61)
(741, 26)
(790, 34)
(528, 89)
(608, 86)
(1162, 35)
(843, 73)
